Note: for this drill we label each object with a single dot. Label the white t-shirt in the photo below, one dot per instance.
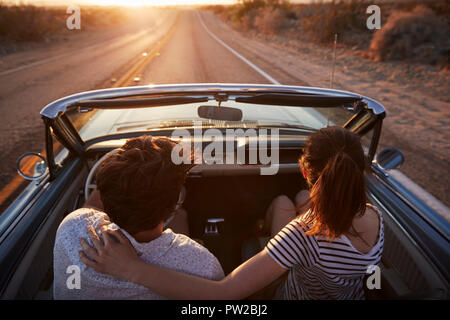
(170, 250)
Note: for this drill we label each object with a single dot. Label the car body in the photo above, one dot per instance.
(224, 200)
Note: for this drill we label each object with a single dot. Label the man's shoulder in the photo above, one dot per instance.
(198, 259)
(83, 215)
(76, 223)
(182, 242)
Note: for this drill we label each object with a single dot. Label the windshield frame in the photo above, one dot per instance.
(212, 91)
(54, 115)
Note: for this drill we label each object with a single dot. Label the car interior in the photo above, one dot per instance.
(225, 208)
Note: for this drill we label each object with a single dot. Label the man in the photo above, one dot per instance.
(138, 190)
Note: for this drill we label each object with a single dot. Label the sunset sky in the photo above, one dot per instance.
(119, 2)
(126, 2)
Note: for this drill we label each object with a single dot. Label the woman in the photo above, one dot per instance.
(326, 249)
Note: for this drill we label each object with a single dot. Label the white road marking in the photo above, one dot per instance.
(237, 54)
(422, 194)
(250, 64)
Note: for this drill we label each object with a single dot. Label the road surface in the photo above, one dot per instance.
(174, 47)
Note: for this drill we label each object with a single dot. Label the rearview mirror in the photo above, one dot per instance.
(32, 166)
(220, 113)
(390, 158)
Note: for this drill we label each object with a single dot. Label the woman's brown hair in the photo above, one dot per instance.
(333, 162)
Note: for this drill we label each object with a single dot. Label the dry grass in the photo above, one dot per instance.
(406, 34)
(318, 21)
(270, 20)
(321, 21)
(419, 35)
(28, 23)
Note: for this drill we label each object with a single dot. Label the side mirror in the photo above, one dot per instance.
(219, 113)
(390, 158)
(32, 166)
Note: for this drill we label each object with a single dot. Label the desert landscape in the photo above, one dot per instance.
(404, 65)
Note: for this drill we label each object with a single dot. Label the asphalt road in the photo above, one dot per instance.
(31, 80)
(193, 55)
(187, 53)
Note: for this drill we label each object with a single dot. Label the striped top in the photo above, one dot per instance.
(320, 269)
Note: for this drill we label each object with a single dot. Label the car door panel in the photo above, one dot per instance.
(413, 250)
(36, 226)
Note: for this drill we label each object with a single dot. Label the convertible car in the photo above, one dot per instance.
(227, 192)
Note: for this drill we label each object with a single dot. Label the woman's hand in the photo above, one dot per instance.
(118, 258)
(114, 256)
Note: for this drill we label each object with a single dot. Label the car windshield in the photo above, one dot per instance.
(92, 123)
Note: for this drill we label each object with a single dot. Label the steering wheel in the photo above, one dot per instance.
(89, 186)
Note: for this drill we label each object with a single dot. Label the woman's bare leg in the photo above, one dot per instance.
(280, 212)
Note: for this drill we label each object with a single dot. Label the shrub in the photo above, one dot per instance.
(246, 6)
(247, 22)
(270, 20)
(419, 35)
(320, 21)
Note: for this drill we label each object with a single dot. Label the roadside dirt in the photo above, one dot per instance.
(416, 97)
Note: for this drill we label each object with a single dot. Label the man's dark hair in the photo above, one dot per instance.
(140, 185)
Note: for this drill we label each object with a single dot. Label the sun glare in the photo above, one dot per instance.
(128, 3)
(136, 3)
